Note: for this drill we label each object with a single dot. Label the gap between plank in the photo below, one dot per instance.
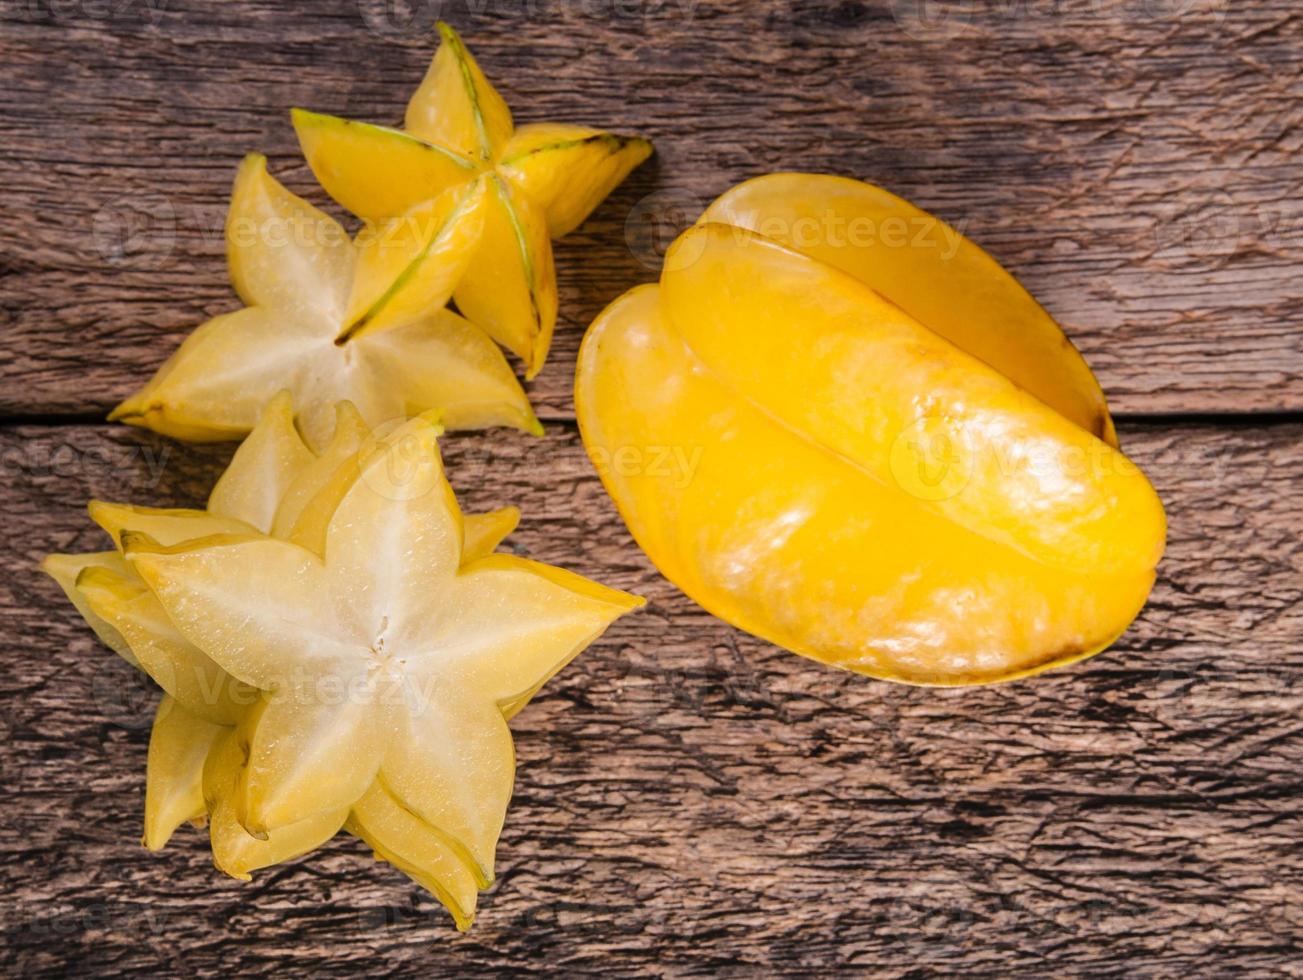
(1146, 419)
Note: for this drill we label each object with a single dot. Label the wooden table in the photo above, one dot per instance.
(691, 800)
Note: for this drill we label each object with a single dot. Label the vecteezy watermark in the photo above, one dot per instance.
(123, 694)
(1150, 10)
(130, 229)
(140, 465)
(301, 231)
(928, 462)
(141, 921)
(934, 458)
(676, 465)
(933, 20)
(656, 221)
(1217, 226)
(389, 687)
(71, 11)
(417, 18)
(829, 228)
(401, 465)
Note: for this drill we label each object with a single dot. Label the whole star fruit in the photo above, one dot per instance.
(523, 185)
(297, 272)
(862, 489)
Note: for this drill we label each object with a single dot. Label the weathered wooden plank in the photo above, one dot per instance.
(693, 801)
(1135, 162)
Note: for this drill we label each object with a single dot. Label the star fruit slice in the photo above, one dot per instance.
(861, 491)
(509, 286)
(456, 106)
(191, 773)
(295, 268)
(243, 490)
(412, 263)
(399, 837)
(543, 179)
(928, 269)
(187, 675)
(568, 170)
(241, 502)
(423, 647)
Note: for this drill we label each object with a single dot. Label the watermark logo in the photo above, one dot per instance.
(400, 466)
(655, 222)
(1133, 11)
(950, 20)
(933, 20)
(928, 462)
(418, 18)
(135, 230)
(401, 18)
(107, 468)
(1216, 227)
(124, 695)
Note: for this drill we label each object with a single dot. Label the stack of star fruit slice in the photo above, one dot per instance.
(903, 467)
(339, 648)
(462, 158)
(461, 206)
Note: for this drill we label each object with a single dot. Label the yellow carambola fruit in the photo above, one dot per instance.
(816, 465)
(463, 170)
(928, 269)
(299, 276)
(207, 726)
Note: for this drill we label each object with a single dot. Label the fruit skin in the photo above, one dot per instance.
(797, 522)
(928, 269)
(535, 182)
(302, 279)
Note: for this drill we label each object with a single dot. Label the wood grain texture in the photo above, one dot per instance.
(691, 801)
(1135, 162)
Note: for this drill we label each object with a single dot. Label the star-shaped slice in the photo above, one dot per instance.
(301, 277)
(522, 186)
(201, 745)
